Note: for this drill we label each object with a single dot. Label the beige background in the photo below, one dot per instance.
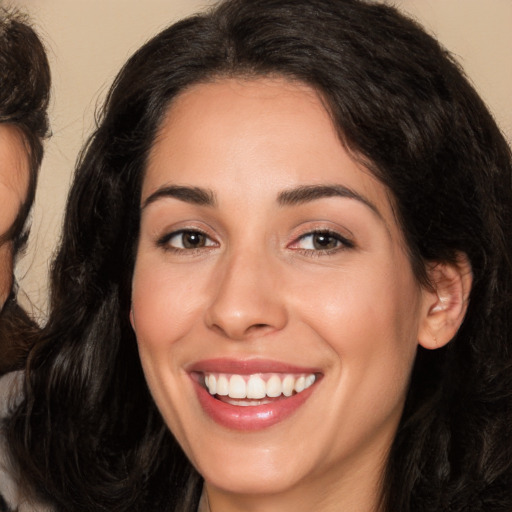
(88, 41)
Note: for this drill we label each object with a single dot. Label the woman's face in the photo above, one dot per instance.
(270, 263)
(14, 178)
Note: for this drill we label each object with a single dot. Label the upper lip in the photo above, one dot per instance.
(247, 366)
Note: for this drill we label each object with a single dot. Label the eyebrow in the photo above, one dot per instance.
(294, 196)
(193, 195)
(308, 193)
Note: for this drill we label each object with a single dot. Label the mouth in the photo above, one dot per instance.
(248, 396)
(256, 389)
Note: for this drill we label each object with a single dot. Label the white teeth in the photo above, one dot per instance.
(222, 386)
(257, 387)
(288, 385)
(300, 384)
(237, 387)
(274, 386)
(211, 384)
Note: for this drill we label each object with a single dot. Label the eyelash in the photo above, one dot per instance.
(164, 241)
(342, 243)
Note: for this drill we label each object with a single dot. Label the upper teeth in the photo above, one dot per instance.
(257, 386)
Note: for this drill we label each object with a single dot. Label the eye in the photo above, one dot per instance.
(326, 241)
(186, 240)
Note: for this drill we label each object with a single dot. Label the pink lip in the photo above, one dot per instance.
(247, 366)
(249, 418)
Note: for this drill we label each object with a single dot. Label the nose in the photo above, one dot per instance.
(248, 300)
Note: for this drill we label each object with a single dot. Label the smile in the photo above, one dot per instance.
(251, 389)
(251, 395)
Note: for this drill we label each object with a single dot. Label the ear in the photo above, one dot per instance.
(445, 304)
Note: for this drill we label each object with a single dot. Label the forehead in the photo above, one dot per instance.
(14, 174)
(254, 138)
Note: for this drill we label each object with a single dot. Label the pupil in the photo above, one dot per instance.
(324, 241)
(193, 240)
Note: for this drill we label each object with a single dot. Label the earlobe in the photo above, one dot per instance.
(446, 302)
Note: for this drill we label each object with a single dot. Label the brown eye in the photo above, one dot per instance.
(193, 240)
(324, 241)
(186, 240)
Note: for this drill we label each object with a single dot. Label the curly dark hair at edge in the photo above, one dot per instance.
(24, 98)
(89, 435)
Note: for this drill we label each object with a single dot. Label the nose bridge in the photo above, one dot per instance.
(247, 299)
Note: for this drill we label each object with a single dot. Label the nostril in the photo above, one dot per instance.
(259, 329)
(240, 332)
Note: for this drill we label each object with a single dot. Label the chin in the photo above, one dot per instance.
(263, 481)
(251, 470)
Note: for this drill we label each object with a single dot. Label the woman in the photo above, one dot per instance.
(284, 279)
(24, 95)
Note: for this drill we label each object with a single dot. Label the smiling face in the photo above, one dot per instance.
(14, 178)
(270, 263)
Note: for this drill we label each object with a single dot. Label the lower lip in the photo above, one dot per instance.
(255, 417)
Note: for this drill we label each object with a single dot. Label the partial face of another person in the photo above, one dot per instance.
(276, 311)
(14, 179)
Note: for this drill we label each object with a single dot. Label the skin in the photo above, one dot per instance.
(259, 287)
(14, 179)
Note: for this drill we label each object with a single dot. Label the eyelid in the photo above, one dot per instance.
(163, 241)
(345, 242)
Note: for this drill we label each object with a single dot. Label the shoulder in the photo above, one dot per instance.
(11, 499)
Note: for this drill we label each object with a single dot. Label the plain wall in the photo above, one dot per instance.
(89, 40)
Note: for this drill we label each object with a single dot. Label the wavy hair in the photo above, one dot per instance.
(24, 97)
(89, 435)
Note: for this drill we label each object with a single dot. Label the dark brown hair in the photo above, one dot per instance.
(24, 97)
(89, 434)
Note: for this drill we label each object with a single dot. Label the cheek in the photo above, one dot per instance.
(369, 323)
(161, 315)
(162, 303)
(368, 318)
